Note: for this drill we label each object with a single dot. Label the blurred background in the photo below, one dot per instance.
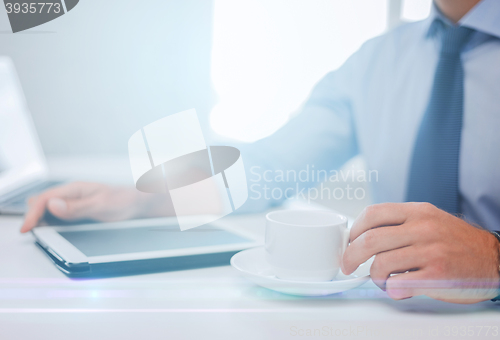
(99, 73)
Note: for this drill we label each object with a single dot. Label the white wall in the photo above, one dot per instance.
(97, 74)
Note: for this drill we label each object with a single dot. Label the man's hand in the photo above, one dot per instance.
(100, 202)
(432, 252)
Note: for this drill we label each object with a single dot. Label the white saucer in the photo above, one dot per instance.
(253, 265)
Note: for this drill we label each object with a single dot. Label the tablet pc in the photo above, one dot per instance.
(139, 246)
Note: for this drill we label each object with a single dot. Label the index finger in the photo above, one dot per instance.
(38, 204)
(379, 215)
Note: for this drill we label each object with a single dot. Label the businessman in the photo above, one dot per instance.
(421, 105)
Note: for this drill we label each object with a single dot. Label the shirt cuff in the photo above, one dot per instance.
(496, 233)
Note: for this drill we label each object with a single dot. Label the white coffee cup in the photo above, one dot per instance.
(305, 245)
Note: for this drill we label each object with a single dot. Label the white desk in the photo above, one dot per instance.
(39, 302)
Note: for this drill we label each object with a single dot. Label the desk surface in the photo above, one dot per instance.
(39, 302)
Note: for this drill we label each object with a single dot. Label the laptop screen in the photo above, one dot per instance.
(21, 156)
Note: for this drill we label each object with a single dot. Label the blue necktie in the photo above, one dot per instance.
(434, 167)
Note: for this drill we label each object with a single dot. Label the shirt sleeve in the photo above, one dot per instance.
(320, 138)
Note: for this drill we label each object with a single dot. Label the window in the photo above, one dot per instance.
(268, 54)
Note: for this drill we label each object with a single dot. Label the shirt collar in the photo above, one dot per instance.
(484, 17)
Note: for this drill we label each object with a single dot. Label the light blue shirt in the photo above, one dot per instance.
(373, 105)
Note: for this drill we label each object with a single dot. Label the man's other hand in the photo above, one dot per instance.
(422, 250)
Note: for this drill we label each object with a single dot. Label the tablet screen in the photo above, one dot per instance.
(144, 239)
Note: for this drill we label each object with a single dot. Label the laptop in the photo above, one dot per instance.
(23, 167)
